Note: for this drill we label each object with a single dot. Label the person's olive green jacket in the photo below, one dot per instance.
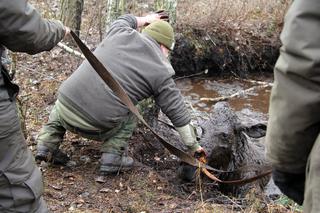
(294, 113)
(23, 30)
(292, 141)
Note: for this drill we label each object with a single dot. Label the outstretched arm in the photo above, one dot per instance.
(130, 21)
(145, 20)
(22, 28)
(172, 104)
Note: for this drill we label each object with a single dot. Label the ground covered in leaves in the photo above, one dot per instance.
(152, 186)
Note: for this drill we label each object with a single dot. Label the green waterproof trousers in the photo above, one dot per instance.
(114, 140)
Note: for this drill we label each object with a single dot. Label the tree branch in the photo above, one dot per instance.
(242, 92)
(70, 50)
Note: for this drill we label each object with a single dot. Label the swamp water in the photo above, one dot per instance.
(250, 107)
(195, 89)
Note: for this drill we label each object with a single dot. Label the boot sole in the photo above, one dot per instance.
(40, 157)
(113, 169)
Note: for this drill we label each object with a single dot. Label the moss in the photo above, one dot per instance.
(288, 203)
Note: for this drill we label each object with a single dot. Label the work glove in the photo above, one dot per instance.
(292, 185)
(163, 15)
(159, 15)
(189, 138)
(200, 153)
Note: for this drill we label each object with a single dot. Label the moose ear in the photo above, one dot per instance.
(255, 131)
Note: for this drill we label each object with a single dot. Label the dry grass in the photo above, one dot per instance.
(243, 34)
(243, 21)
(235, 14)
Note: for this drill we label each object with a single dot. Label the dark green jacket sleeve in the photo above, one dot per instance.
(22, 28)
(294, 118)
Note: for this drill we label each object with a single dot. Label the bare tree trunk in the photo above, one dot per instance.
(71, 11)
(115, 8)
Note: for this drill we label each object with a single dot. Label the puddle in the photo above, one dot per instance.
(195, 89)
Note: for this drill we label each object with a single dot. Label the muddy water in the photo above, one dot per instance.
(195, 89)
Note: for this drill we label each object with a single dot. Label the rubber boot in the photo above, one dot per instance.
(43, 153)
(56, 157)
(113, 163)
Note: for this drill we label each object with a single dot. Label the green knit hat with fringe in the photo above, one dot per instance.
(162, 32)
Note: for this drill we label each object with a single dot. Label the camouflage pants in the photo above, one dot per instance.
(113, 140)
(21, 184)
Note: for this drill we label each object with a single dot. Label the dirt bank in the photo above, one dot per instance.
(228, 37)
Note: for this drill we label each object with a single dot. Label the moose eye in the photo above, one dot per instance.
(223, 135)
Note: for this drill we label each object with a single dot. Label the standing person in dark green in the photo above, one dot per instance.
(293, 135)
(88, 107)
(21, 29)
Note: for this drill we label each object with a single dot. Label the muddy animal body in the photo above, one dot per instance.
(231, 146)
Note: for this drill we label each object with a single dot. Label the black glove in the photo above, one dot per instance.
(292, 185)
(159, 15)
(163, 15)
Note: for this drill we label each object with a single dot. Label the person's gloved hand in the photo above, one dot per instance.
(189, 138)
(67, 31)
(159, 15)
(148, 19)
(163, 15)
(200, 153)
(292, 185)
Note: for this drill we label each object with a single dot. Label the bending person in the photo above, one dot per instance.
(88, 107)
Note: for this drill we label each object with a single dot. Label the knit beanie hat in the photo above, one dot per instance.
(162, 32)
